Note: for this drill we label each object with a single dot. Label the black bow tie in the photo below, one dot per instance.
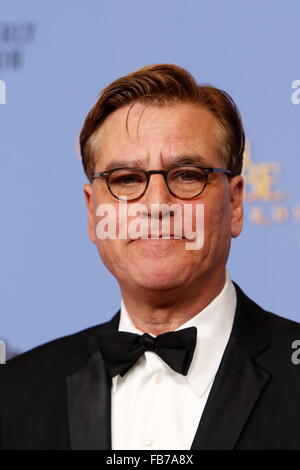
(121, 350)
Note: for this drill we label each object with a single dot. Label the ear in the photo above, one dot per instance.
(236, 189)
(87, 189)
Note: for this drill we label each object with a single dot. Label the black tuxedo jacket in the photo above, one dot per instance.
(58, 395)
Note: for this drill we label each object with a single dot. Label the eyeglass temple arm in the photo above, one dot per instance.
(220, 170)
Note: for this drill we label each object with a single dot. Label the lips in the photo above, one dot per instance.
(161, 236)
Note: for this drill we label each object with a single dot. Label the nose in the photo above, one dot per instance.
(157, 193)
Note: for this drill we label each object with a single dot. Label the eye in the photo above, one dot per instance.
(188, 175)
(126, 178)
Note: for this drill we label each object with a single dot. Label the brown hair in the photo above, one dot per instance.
(162, 84)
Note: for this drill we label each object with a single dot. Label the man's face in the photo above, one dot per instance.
(164, 135)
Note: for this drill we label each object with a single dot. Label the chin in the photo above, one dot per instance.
(160, 286)
(159, 279)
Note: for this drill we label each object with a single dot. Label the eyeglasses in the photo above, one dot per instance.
(183, 181)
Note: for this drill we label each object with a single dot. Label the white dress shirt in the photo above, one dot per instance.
(156, 408)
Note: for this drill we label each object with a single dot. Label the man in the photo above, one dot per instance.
(189, 361)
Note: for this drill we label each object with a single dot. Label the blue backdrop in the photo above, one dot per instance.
(55, 57)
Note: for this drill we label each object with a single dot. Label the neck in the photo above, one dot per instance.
(163, 311)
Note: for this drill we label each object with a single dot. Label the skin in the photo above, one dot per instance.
(162, 283)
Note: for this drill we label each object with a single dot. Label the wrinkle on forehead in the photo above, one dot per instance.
(133, 120)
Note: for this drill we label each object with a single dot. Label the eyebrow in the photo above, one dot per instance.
(169, 162)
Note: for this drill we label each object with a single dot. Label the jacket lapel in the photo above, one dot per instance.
(89, 398)
(239, 380)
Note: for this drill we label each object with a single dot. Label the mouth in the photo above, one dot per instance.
(161, 237)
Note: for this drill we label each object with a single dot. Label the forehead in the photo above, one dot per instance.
(157, 132)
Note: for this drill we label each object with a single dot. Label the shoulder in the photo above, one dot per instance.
(278, 323)
(59, 357)
(281, 335)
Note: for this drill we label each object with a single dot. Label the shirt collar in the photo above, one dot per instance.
(214, 324)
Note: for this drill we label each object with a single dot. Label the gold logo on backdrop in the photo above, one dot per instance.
(261, 180)
(263, 192)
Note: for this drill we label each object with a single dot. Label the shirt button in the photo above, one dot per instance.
(158, 378)
(148, 441)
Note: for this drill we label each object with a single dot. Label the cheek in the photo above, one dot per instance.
(110, 252)
(105, 221)
(217, 221)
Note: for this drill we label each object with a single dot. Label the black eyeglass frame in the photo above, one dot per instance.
(207, 171)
